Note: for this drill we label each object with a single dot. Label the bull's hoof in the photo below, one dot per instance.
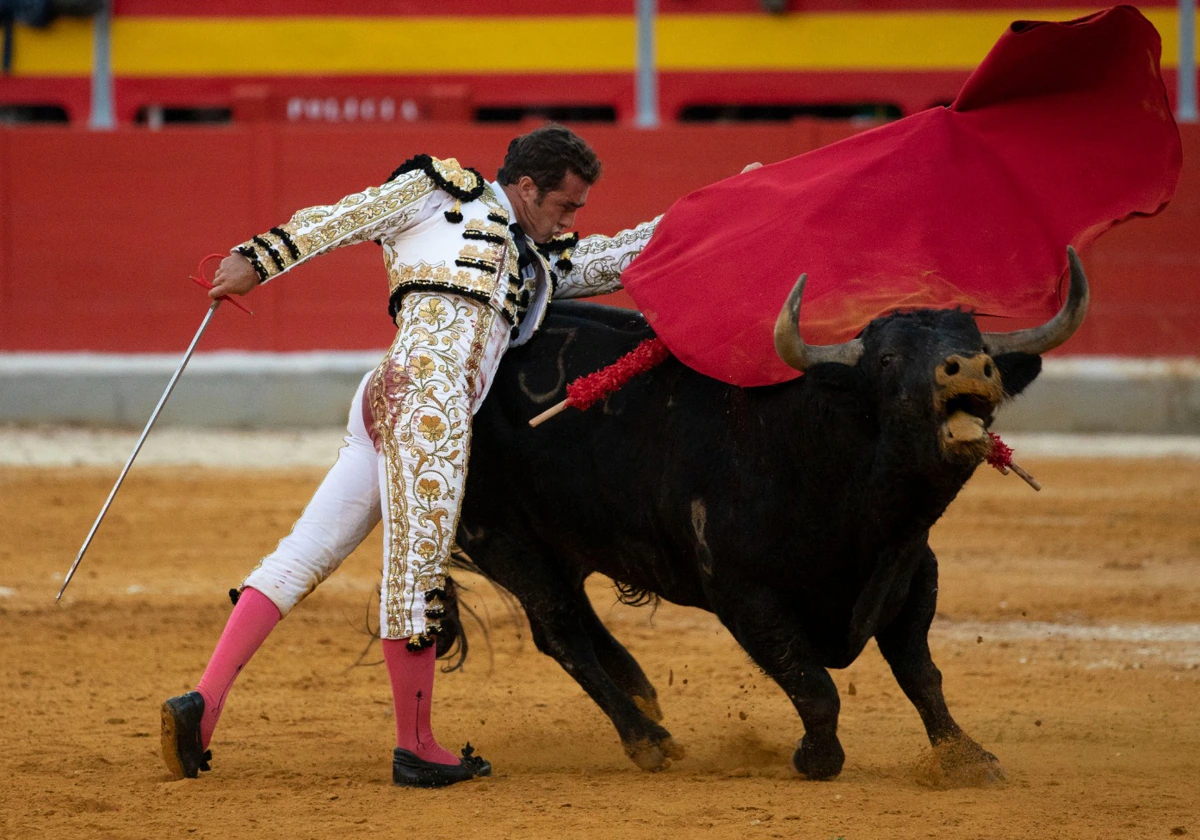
(959, 763)
(653, 756)
(649, 707)
(818, 762)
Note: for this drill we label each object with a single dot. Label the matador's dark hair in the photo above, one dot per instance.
(546, 155)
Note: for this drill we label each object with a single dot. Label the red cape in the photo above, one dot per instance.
(1062, 132)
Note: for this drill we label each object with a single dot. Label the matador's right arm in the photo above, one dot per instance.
(359, 217)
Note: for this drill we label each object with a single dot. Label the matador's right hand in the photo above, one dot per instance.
(235, 276)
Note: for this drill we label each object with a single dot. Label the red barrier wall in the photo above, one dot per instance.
(99, 231)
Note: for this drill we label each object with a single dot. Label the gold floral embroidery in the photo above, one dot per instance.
(478, 228)
(421, 366)
(429, 489)
(489, 255)
(387, 388)
(605, 272)
(454, 173)
(492, 203)
(598, 261)
(634, 236)
(431, 311)
(422, 396)
(482, 252)
(511, 265)
(431, 428)
(362, 215)
(276, 251)
(356, 218)
(468, 280)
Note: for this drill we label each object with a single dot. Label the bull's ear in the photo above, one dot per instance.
(1017, 370)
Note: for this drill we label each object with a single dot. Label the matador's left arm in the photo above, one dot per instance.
(594, 265)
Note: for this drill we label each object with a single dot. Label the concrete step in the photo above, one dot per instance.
(1091, 395)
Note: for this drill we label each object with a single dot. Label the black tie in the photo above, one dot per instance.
(524, 257)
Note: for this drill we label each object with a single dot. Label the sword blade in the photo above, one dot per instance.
(138, 447)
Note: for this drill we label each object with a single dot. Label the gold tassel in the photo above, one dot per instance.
(419, 642)
(564, 262)
(455, 215)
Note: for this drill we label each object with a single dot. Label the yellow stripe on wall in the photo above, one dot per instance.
(284, 46)
(922, 40)
(62, 49)
(343, 45)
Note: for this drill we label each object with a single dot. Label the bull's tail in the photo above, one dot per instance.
(460, 561)
(451, 640)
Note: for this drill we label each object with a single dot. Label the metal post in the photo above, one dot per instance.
(647, 71)
(9, 25)
(102, 118)
(1185, 106)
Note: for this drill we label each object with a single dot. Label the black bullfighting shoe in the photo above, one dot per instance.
(408, 770)
(181, 748)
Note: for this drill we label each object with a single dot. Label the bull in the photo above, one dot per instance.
(798, 513)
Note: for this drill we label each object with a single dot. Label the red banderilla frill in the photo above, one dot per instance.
(1001, 458)
(587, 390)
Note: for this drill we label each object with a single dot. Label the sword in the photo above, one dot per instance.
(153, 416)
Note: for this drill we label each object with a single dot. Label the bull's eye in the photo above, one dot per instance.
(886, 359)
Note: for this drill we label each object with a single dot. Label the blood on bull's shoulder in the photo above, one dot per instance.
(798, 513)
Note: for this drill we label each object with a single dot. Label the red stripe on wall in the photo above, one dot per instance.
(99, 231)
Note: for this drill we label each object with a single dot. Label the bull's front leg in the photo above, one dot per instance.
(904, 643)
(762, 623)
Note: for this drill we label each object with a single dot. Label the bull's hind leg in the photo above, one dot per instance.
(904, 643)
(565, 627)
(758, 619)
(560, 622)
(618, 663)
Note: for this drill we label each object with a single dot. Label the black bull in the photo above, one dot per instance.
(798, 513)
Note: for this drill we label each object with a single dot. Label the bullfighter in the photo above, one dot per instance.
(471, 266)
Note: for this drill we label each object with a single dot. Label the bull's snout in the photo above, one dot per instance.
(968, 390)
(978, 367)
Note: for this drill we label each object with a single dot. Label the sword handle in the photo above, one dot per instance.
(204, 282)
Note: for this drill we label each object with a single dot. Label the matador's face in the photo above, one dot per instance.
(546, 214)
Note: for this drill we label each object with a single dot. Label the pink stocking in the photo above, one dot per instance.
(412, 692)
(252, 620)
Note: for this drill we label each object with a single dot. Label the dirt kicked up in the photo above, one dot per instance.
(1068, 636)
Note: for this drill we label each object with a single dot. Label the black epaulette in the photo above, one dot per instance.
(561, 245)
(462, 182)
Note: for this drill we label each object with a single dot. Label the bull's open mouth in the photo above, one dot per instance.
(973, 405)
(967, 419)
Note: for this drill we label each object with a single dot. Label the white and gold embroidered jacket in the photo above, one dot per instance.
(443, 227)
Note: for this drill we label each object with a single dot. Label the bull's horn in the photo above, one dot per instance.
(791, 347)
(1038, 340)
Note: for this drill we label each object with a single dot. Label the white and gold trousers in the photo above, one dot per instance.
(404, 462)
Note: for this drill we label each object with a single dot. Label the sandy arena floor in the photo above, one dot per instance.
(1069, 637)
